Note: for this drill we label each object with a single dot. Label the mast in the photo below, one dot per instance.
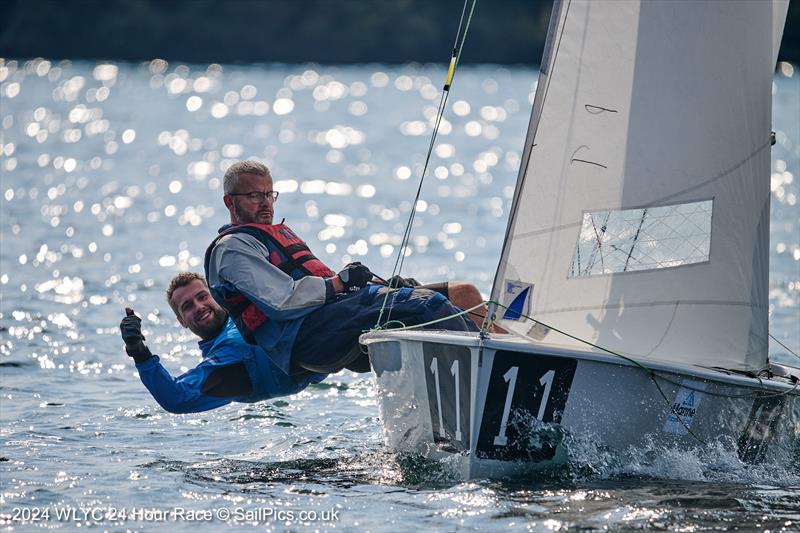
(557, 18)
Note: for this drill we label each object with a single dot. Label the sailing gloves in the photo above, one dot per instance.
(355, 276)
(399, 282)
(131, 330)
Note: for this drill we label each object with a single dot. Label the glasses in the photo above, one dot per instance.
(256, 196)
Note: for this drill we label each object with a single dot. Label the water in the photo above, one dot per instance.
(110, 183)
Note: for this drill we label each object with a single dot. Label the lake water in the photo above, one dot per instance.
(111, 185)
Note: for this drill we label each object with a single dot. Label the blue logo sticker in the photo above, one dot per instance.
(517, 300)
(689, 401)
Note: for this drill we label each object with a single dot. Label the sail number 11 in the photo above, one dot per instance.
(510, 377)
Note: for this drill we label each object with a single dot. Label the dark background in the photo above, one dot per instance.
(289, 31)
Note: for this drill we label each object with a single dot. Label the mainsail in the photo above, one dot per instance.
(640, 220)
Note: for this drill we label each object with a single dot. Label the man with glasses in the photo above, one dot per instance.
(280, 296)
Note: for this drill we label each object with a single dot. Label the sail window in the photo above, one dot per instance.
(632, 240)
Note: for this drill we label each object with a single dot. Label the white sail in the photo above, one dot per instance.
(641, 216)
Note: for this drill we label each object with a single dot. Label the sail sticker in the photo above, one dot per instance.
(684, 408)
(517, 299)
(632, 240)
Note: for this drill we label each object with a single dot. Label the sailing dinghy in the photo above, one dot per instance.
(633, 279)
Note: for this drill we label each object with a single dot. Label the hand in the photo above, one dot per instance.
(131, 330)
(399, 282)
(355, 276)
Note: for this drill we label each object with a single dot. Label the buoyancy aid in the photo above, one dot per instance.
(286, 250)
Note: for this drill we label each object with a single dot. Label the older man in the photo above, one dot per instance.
(231, 370)
(283, 298)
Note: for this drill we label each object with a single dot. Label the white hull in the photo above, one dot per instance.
(497, 406)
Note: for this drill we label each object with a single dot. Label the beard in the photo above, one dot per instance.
(212, 328)
(243, 216)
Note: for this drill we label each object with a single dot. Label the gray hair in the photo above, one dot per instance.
(231, 179)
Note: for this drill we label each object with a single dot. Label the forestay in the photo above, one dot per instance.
(641, 216)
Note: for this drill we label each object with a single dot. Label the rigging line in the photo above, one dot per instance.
(650, 371)
(599, 248)
(724, 173)
(403, 327)
(461, 21)
(674, 410)
(456, 55)
(553, 39)
(653, 377)
(785, 347)
(466, 27)
(439, 117)
(733, 396)
(398, 265)
(635, 238)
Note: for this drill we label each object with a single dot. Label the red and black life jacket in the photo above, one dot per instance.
(286, 250)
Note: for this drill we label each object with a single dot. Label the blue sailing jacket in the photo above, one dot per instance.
(231, 371)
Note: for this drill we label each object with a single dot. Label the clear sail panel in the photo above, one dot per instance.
(632, 240)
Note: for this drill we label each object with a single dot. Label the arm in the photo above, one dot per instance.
(241, 261)
(207, 386)
(188, 392)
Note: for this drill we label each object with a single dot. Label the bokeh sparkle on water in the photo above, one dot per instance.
(111, 184)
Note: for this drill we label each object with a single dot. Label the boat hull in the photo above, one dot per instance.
(495, 407)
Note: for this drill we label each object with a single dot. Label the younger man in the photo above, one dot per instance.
(231, 370)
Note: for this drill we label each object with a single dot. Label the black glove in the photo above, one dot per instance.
(131, 329)
(355, 276)
(399, 282)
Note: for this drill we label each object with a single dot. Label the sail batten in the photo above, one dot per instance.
(641, 216)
